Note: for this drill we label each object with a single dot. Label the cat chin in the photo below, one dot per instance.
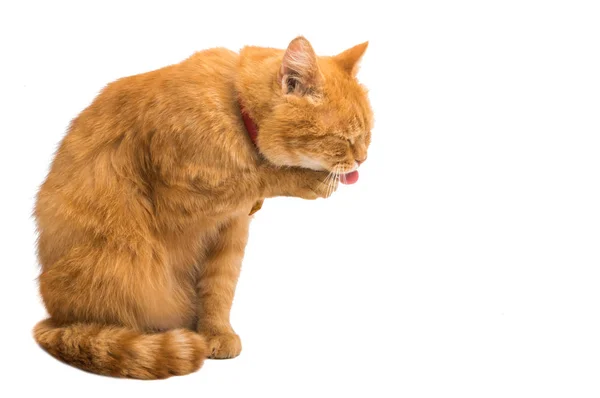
(350, 170)
(314, 164)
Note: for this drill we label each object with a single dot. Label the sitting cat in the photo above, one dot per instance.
(143, 217)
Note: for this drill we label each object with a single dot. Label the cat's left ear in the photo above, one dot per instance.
(349, 60)
(299, 73)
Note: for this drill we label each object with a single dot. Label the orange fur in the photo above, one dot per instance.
(143, 217)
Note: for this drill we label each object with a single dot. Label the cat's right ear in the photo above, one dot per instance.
(299, 73)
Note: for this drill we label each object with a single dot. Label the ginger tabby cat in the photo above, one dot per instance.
(143, 217)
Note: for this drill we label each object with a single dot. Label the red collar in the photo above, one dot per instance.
(251, 127)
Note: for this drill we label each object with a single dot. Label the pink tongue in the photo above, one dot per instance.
(349, 178)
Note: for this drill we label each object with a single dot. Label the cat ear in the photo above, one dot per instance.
(349, 60)
(299, 72)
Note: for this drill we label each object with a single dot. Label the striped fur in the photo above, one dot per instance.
(143, 217)
(120, 352)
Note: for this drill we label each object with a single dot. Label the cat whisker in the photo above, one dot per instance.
(326, 181)
(335, 181)
(332, 180)
(329, 178)
(332, 183)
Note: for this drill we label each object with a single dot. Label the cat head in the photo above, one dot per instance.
(319, 115)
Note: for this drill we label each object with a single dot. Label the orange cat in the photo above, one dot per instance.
(143, 218)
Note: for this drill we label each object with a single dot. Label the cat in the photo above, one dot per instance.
(143, 217)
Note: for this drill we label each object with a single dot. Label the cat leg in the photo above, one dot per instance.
(218, 277)
(235, 194)
(298, 182)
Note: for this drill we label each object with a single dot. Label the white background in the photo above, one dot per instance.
(465, 261)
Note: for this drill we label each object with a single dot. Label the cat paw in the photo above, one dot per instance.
(223, 346)
(318, 184)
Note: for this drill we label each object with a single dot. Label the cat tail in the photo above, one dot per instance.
(121, 352)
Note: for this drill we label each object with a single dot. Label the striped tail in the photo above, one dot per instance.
(121, 352)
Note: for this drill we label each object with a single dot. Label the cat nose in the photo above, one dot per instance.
(361, 161)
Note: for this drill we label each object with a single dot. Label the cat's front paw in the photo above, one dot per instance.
(223, 346)
(298, 182)
(317, 184)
